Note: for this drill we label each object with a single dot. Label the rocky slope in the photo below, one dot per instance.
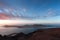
(41, 34)
(46, 34)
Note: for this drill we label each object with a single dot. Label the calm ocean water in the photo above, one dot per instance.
(10, 30)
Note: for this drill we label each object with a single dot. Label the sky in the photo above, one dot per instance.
(43, 10)
(20, 12)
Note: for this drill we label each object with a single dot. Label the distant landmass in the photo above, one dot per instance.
(24, 26)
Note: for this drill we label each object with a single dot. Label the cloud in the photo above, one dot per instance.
(24, 10)
(3, 16)
(50, 13)
(12, 12)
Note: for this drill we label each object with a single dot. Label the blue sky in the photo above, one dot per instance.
(48, 10)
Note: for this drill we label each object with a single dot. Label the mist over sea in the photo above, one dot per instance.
(10, 30)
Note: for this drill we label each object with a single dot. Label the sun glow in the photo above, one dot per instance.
(14, 22)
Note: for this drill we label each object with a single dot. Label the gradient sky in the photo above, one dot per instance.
(28, 12)
(48, 10)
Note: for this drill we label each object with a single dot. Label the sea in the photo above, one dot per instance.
(10, 30)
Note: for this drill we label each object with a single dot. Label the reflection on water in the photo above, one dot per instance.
(7, 31)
